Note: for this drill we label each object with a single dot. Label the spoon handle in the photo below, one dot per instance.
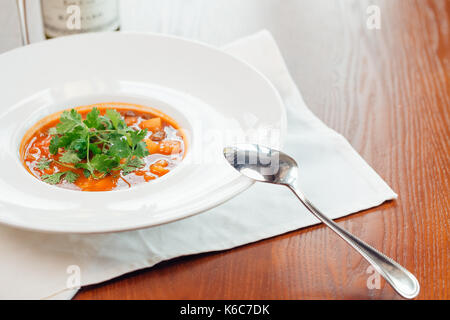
(398, 277)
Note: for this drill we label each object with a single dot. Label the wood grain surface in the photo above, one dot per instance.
(388, 92)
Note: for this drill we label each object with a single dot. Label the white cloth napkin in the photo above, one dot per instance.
(333, 175)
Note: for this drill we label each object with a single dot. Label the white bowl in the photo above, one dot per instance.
(217, 98)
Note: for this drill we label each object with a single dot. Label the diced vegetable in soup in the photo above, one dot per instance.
(103, 147)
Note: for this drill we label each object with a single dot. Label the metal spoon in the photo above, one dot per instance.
(272, 166)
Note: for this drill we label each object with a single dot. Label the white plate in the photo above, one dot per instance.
(210, 93)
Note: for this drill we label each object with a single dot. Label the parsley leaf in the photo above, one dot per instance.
(56, 178)
(87, 166)
(119, 147)
(92, 120)
(132, 164)
(137, 136)
(140, 150)
(116, 119)
(68, 121)
(79, 145)
(69, 157)
(105, 123)
(43, 163)
(53, 178)
(54, 145)
(94, 149)
(65, 140)
(86, 173)
(104, 163)
(71, 176)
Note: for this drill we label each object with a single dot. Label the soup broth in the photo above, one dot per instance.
(92, 149)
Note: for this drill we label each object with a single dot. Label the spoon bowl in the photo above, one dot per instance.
(262, 163)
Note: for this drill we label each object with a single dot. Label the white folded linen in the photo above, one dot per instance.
(335, 178)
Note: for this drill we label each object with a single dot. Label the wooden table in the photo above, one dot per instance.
(388, 92)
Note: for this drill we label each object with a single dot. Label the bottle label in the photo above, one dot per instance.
(64, 17)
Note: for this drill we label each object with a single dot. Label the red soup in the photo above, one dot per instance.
(103, 147)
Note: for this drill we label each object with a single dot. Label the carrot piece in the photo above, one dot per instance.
(49, 171)
(152, 146)
(130, 120)
(33, 150)
(162, 163)
(170, 147)
(152, 125)
(148, 177)
(158, 170)
(104, 184)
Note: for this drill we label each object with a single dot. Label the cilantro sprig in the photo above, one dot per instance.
(100, 145)
(56, 178)
(43, 163)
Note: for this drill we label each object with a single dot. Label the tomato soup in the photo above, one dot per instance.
(103, 147)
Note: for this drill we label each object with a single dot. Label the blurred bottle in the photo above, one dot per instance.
(65, 17)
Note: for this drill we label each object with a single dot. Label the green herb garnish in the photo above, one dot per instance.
(96, 144)
(56, 178)
(71, 176)
(43, 163)
(132, 164)
(69, 157)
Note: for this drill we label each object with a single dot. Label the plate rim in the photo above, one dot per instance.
(243, 182)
